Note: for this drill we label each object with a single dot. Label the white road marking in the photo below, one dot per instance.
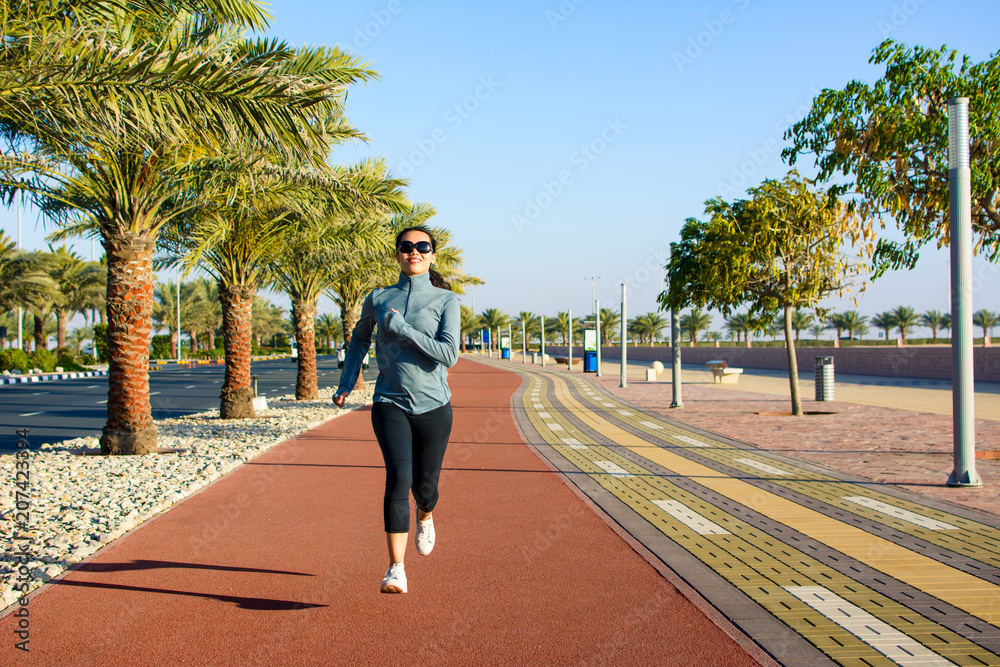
(900, 513)
(41, 393)
(613, 468)
(653, 425)
(690, 441)
(763, 467)
(624, 412)
(882, 637)
(153, 393)
(690, 518)
(574, 443)
(32, 414)
(101, 402)
(191, 386)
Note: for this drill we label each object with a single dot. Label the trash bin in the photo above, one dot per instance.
(824, 379)
(590, 362)
(505, 353)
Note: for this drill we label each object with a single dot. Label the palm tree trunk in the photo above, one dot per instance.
(793, 366)
(350, 318)
(237, 390)
(39, 332)
(129, 428)
(304, 319)
(61, 316)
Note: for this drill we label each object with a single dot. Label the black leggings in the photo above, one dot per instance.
(413, 448)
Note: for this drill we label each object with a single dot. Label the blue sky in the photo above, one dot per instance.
(563, 140)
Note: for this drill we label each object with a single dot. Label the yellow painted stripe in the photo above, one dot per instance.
(962, 590)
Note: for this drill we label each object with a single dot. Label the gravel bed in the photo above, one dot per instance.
(79, 503)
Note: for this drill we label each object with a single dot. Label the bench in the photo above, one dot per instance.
(722, 373)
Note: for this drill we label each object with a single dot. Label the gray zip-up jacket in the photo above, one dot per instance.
(414, 349)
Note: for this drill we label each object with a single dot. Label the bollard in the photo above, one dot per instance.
(253, 381)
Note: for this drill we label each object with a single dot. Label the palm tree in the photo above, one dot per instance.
(801, 320)
(739, 323)
(265, 320)
(647, 327)
(694, 322)
(76, 337)
(120, 172)
(906, 318)
(837, 322)
(885, 321)
(561, 325)
(330, 328)
(713, 336)
(610, 319)
(933, 320)
(816, 330)
(78, 284)
(985, 319)
(529, 322)
(470, 322)
(493, 319)
(854, 323)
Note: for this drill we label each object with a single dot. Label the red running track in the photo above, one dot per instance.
(279, 563)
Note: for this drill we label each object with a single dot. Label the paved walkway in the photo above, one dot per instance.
(812, 563)
(279, 563)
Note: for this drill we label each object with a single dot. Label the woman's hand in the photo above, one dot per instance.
(339, 400)
(391, 311)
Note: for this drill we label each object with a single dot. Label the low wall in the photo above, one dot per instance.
(917, 361)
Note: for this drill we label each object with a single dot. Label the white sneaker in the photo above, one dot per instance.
(395, 579)
(425, 536)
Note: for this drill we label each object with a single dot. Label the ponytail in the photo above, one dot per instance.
(437, 280)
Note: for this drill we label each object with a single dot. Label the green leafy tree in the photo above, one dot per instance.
(934, 320)
(816, 330)
(470, 322)
(265, 320)
(891, 140)
(530, 323)
(781, 249)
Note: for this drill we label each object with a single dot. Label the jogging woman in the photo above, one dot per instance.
(417, 323)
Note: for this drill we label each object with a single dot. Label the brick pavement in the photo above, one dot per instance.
(902, 448)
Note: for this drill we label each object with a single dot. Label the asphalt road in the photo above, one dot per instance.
(64, 409)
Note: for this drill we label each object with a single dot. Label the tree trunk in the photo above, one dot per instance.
(40, 342)
(129, 428)
(61, 317)
(173, 341)
(237, 390)
(304, 320)
(793, 366)
(350, 319)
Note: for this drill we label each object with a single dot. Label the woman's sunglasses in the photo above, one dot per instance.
(406, 247)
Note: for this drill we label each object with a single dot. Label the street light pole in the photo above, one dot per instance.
(624, 372)
(959, 186)
(569, 350)
(20, 311)
(597, 326)
(675, 352)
